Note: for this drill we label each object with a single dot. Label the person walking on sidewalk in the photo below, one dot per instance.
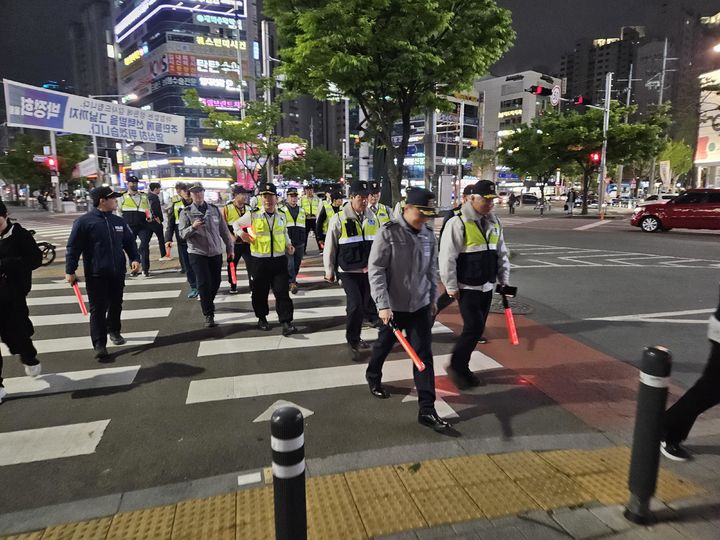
(473, 257)
(295, 219)
(156, 219)
(349, 238)
(19, 256)
(403, 274)
(233, 211)
(206, 233)
(269, 249)
(172, 230)
(102, 239)
(327, 211)
(704, 394)
(512, 202)
(311, 206)
(135, 210)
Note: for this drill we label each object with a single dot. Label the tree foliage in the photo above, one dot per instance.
(481, 159)
(317, 163)
(388, 56)
(680, 156)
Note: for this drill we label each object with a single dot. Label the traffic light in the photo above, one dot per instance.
(595, 158)
(539, 90)
(51, 164)
(581, 100)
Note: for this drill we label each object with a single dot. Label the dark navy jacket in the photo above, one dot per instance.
(101, 238)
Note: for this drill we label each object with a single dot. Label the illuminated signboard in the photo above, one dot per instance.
(219, 20)
(211, 143)
(221, 104)
(220, 42)
(227, 84)
(136, 55)
(513, 112)
(208, 65)
(208, 162)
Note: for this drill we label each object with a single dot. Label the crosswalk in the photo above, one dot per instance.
(156, 313)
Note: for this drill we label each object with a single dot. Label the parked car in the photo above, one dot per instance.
(658, 199)
(503, 197)
(694, 209)
(527, 198)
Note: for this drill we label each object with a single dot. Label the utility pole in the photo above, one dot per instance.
(264, 30)
(461, 146)
(346, 146)
(628, 100)
(651, 187)
(603, 156)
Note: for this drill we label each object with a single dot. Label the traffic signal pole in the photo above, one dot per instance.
(54, 175)
(603, 155)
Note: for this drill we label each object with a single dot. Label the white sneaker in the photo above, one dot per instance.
(33, 371)
(166, 258)
(3, 393)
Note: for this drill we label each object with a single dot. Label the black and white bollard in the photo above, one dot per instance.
(652, 399)
(288, 466)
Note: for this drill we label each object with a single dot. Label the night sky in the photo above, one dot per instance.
(34, 45)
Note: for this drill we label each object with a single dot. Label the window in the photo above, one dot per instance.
(714, 197)
(691, 198)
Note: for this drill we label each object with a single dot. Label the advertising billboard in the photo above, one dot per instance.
(708, 145)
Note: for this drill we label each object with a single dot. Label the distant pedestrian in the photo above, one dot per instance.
(705, 393)
(570, 201)
(311, 204)
(19, 256)
(42, 201)
(512, 202)
(100, 238)
(204, 229)
(135, 210)
(156, 218)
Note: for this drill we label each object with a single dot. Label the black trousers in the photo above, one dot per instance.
(184, 257)
(474, 308)
(271, 273)
(184, 263)
(418, 327)
(310, 227)
(144, 233)
(156, 229)
(242, 251)
(16, 329)
(105, 296)
(357, 290)
(207, 272)
(679, 418)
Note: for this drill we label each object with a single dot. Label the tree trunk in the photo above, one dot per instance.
(396, 156)
(585, 189)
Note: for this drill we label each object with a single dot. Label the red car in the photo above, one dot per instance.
(694, 209)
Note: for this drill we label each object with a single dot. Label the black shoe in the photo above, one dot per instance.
(210, 321)
(116, 338)
(483, 340)
(363, 345)
(432, 420)
(134, 274)
(101, 352)
(475, 380)
(233, 289)
(146, 274)
(263, 324)
(675, 451)
(289, 329)
(460, 380)
(377, 389)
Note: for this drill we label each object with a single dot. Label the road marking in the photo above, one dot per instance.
(306, 380)
(55, 383)
(83, 343)
(544, 263)
(640, 316)
(442, 407)
(251, 478)
(267, 415)
(301, 280)
(57, 442)
(79, 318)
(592, 225)
(127, 297)
(296, 341)
(322, 312)
(132, 282)
(330, 292)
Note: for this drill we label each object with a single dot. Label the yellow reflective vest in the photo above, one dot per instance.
(355, 242)
(268, 242)
(477, 263)
(128, 204)
(311, 206)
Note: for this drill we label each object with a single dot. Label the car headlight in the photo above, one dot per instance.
(637, 210)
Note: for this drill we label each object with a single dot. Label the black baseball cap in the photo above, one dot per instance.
(291, 191)
(423, 200)
(237, 189)
(359, 187)
(196, 187)
(103, 192)
(468, 189)
(132, 178)
(374, 186)
(485, 188)
(267, 188)
(335, 195)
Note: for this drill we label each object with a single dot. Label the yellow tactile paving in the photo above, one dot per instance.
(671, 487)
(616, 458)
(424, 475)
(554, 491)
(256, 514)
(333, 520)
(504, 498)
(151, 524)
(446, 505)
(96, 529)
(607, 488)
(321, 489)
(373, 483)
(205, 518)
(523, 465)
(574, 462)
(389, 514)
(469, 470)
(37, 535)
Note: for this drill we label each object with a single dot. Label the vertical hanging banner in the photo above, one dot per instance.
(38, 108)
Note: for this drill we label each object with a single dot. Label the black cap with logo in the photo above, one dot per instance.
(467, 190)
(291, 191)
(237, 189)
(267, 188)
(485, 188)
(103, 192)
(423, 200)
(374, 186)
(196, 187)
(359, 187)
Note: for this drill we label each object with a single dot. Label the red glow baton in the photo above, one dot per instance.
(80, 300)
(419, 364)
(510, 322)
(233, 275)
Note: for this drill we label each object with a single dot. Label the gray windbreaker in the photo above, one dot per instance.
(207, 240)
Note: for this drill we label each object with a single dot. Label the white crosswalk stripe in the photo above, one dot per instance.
(79, 318)
(72, 381)
(47, 346)
(127, 297)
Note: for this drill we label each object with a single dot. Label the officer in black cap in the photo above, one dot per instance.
(236, 208)
(403, 276)
(379, 209)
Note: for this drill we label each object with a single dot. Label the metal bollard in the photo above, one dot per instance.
(652, 400)
(288, 466)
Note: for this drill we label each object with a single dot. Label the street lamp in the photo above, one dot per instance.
(125, 98)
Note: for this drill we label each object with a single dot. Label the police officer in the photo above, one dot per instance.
(473, 257)
(233, 211)
(379, 209)
(268, 248)
(100, 237)
(403, 275)
(327, 211)
(156, 218)
(311, 206)
(135, 210)
(172, 229)
(296, 222)
(347, 247)
(19, 256)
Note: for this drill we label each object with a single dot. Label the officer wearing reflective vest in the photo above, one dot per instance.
(379, 209)
(172, 229)
(328, 210)
(473, 257)
(135, 210)
(265, 229)
(347, 247)
(296, 222)
(311, 205)
(231, 212)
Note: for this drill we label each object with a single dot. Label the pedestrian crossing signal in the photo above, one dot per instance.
(540, 91)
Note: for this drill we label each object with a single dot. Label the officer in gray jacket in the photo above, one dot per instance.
(202, 226)
(403, 275)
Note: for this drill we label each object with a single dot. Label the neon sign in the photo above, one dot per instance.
(220, 42)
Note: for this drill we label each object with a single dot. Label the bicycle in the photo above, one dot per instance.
(48, 251)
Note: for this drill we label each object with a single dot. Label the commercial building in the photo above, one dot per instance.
(707, 156)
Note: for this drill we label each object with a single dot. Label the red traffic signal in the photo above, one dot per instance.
(595, 158)
(51, 163)
(539, 90)
(579, 100)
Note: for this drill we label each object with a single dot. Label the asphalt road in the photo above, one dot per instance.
(182, 402)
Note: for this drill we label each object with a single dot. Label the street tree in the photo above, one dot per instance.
(481, 159)
(390, 57)
(324, 164)
(680, 156)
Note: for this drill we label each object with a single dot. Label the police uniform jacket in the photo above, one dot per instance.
(19, 256)
(207, 240)
(331, 259)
